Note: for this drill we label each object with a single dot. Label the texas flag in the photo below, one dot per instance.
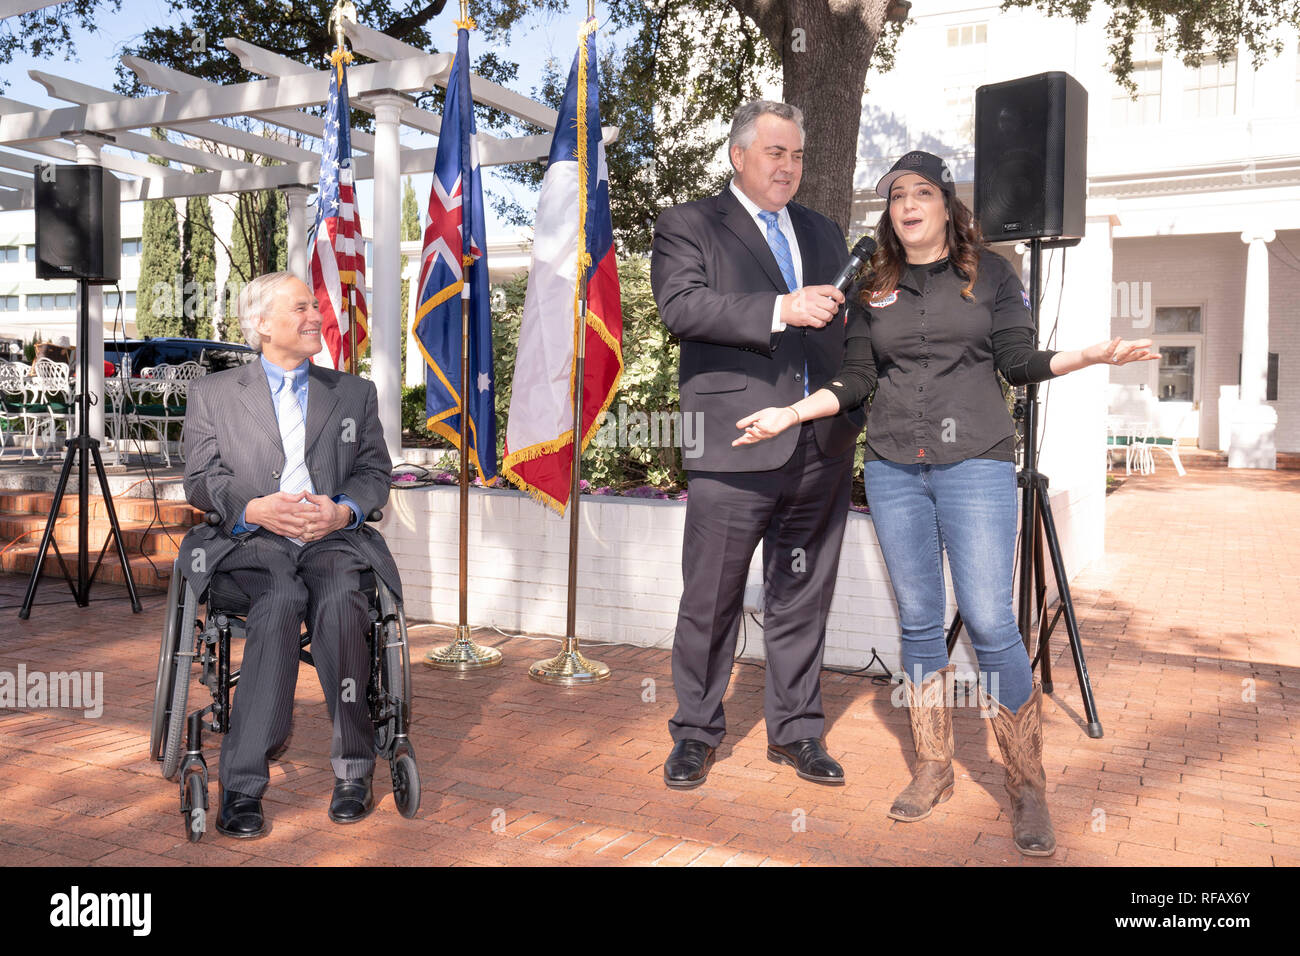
(573, 235)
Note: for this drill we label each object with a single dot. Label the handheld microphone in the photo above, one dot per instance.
(863, 250)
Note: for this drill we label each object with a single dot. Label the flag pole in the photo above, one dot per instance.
(463, 654)
(352, 326)
(570, 667)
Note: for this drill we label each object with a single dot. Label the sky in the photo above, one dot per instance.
(534, 41)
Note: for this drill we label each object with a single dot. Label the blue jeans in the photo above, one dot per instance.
(970, 509)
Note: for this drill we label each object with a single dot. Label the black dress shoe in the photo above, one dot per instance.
(353, 800)
(809, 759)
(688, 764)
(240, 816)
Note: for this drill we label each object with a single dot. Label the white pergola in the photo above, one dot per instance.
(102, 127)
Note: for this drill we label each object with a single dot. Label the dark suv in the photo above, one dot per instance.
(146, 353)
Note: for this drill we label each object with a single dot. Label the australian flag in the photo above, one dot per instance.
(453, 266)
(338, 260)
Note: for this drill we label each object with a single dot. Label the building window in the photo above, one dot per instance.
(131, 247)
(1270, 392)
(1178, 320)
(31, 253)
(1143, 109)
(968, 35)
(1211, 89)
(110, 300)
(51, 302)
(1177, 381)
(960, 102)
(8, 253)
(1177, 337)
(8, 303)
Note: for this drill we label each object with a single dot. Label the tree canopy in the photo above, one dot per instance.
(672, 71)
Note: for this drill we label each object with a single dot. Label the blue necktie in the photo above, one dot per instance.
(776, 241)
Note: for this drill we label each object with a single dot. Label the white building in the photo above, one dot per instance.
(29, 305)
(1180, 181)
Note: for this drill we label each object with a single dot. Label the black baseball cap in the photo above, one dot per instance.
(926, 165)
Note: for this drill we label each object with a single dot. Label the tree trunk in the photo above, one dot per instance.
(826, 46)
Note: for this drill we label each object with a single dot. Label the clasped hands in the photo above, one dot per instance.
(299, 514)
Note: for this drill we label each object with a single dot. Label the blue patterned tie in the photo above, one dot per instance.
(776, 241)
(294, 476)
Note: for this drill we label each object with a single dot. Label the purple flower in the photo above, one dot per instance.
(604, 490)
(584, 486)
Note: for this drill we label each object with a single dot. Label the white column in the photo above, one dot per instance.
(385, 302)
(1254, 423)
(299, 258)
(88, 148)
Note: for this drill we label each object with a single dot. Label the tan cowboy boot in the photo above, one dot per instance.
(1020, 738)
(931, 717)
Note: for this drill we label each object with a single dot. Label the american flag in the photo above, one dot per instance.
(338, 261)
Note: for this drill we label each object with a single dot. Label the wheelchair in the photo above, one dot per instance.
(190, 640)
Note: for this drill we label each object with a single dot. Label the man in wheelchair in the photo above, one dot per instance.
(291, 457)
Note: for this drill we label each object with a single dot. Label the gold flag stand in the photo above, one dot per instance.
(569, 667)
(463, 654)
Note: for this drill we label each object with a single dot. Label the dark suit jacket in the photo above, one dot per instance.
(233, 454)
(715, 281)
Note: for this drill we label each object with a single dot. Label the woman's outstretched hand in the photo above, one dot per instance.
(767, 423)
(1120, 351)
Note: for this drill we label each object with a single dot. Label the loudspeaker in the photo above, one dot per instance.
(1031, 152)
(78, 224)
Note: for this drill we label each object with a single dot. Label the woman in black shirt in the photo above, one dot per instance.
(937, 315)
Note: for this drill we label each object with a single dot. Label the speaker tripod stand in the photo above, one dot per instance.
(1037, 525)
(83, 449)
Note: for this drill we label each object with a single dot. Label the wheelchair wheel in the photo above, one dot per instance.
(174, 747)
(406, 784)
(394, 670)
(162, 693)
(194, 805)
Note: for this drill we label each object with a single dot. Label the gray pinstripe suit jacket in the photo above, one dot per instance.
(233, 454)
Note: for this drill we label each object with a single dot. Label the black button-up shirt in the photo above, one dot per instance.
(931, 357)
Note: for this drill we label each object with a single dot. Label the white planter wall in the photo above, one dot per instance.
(629, 571)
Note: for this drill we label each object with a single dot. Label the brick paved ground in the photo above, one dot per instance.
(1190, 634)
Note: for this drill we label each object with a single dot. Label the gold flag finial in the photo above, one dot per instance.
(345, 11)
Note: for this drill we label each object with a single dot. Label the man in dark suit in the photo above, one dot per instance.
(739, 279)
(292, 457)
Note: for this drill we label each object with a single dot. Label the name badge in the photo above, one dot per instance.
(880, 300)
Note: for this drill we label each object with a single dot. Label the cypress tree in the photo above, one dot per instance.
(200, 268)
(410, 230)
(156, 310)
